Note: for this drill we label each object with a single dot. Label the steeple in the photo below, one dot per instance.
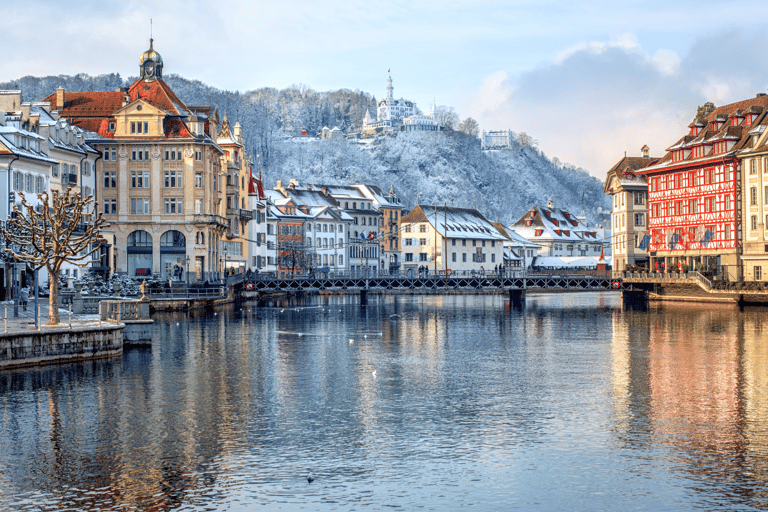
(390, 90)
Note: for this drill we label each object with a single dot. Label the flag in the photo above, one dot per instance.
(706, 238)
(644, 242)
(673, 241)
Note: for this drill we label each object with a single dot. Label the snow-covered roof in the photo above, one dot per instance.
(555, 224)
(455, 222)
(375, 194)
(569, 261)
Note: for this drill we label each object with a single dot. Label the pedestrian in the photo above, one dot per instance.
(24, 297)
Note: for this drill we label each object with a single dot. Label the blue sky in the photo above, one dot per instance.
(588, 80)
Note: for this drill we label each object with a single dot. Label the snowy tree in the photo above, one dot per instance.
(447, 117)
(470, 127)
(526, 140)
(59, 231)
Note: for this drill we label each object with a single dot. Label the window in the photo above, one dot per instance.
(408, 241)
(110, 179)
(493, 258)
(464, 257)
(110, 154)
(423, 256)
(691, 208)
(752, 167)
(423, 228)
(172, 179)
(55, 171)
(140, 206)
(140, 153)
(172, 153)
(408, 256)
(198, 154)
(727, 231)
(758, 273)
(198, 180)
(139, 179)
(453, 257)
(28, 188)
(753, 220)
(39, 184)
(639, 198)
(753, 196)
(110, 206)
(692, 179)
(173, 205)
(639, 219)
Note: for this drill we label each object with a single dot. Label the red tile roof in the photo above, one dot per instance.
(87, 104)
(158, 93)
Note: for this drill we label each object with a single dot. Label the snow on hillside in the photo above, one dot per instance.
(431, 168)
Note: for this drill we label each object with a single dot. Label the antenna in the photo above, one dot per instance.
(150, 28)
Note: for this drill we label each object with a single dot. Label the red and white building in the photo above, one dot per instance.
(695, 192)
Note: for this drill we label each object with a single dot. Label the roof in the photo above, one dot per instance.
(452, 222)
(712, 132)
(554, 224)
(624, 172)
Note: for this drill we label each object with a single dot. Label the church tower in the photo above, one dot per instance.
(150, 65)
(390, 91)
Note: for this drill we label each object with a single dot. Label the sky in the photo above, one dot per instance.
(588, 80)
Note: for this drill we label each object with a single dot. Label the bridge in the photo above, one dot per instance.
(515, 285)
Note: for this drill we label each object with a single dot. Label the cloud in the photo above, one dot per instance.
(596, 100)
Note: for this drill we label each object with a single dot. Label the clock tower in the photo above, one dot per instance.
(150, 65)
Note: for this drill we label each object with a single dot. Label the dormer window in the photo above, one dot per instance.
(734, 121)
(111, 126)
(539, 232)
(555, 222)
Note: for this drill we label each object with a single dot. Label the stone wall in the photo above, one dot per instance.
(57, 346)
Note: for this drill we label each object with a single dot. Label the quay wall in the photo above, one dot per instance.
(50, 346)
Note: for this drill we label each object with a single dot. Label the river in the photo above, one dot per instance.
(411, 402)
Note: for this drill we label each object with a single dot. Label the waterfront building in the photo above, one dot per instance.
(560, 233)
(467, 239)
(390, 209)
(362, 231)
(291, 255)
(257, 229)
(28, 169)
(518, 251)
(754, 158)
(497, 139)
(398, 115)
(237, 169)
(629, 213)
(160, 180)
(695, 191)
(326, 228)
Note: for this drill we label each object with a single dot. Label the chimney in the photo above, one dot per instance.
(59, 98)
(550, 204)
(294, 182)
(645, 149)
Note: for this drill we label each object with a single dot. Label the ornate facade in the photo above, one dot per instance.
(396, 115)
(160, 182)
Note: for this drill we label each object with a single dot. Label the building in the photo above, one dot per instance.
(499, 139)
(27, 170)
(390, 213)
(518, 251)
(559, 233)
(160, 180)
(695, 201)
(257, 229)
(467, 239)
(754, 158)
(292, 257)
(398, 115)
(629, 212)
(237, 169)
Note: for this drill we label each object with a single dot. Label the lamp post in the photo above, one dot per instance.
(225, 264)
(187, 261)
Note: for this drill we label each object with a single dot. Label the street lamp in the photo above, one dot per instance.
(187, 260)
(225, 262)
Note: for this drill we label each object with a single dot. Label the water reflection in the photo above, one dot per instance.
(436, 402)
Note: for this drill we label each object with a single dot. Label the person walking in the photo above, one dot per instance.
(24, 297)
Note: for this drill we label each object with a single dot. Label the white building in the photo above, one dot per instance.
(499, 139)
(257, 228)
(396, 115)
(559, 233)
(467, 239)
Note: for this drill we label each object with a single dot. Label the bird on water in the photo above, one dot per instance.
(310, 477)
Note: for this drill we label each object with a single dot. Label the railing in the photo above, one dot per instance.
(706, 283)
(204, 218)
(118, 311)
(246, 214)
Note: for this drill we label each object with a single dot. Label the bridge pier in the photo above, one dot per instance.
(363, 297)
(517, 298)
(634, 296)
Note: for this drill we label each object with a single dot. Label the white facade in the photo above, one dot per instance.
(499, 139)
(396, 115)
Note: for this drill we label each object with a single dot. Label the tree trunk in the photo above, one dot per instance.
(53, 297)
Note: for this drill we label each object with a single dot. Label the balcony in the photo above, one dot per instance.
(204, 218)
(239, 212)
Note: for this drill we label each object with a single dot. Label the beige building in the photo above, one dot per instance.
(754, 203)
(629, 212)
(159, 182)
(467, 239)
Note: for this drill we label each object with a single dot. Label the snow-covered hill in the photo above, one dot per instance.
(432, 168)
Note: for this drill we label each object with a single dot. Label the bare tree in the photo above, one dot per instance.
(61, 231)
(526, 140)
(470, 127)
(447, 117)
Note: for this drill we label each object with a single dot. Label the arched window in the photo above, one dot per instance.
(173, 239)
(173, 249)
(139, 252)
